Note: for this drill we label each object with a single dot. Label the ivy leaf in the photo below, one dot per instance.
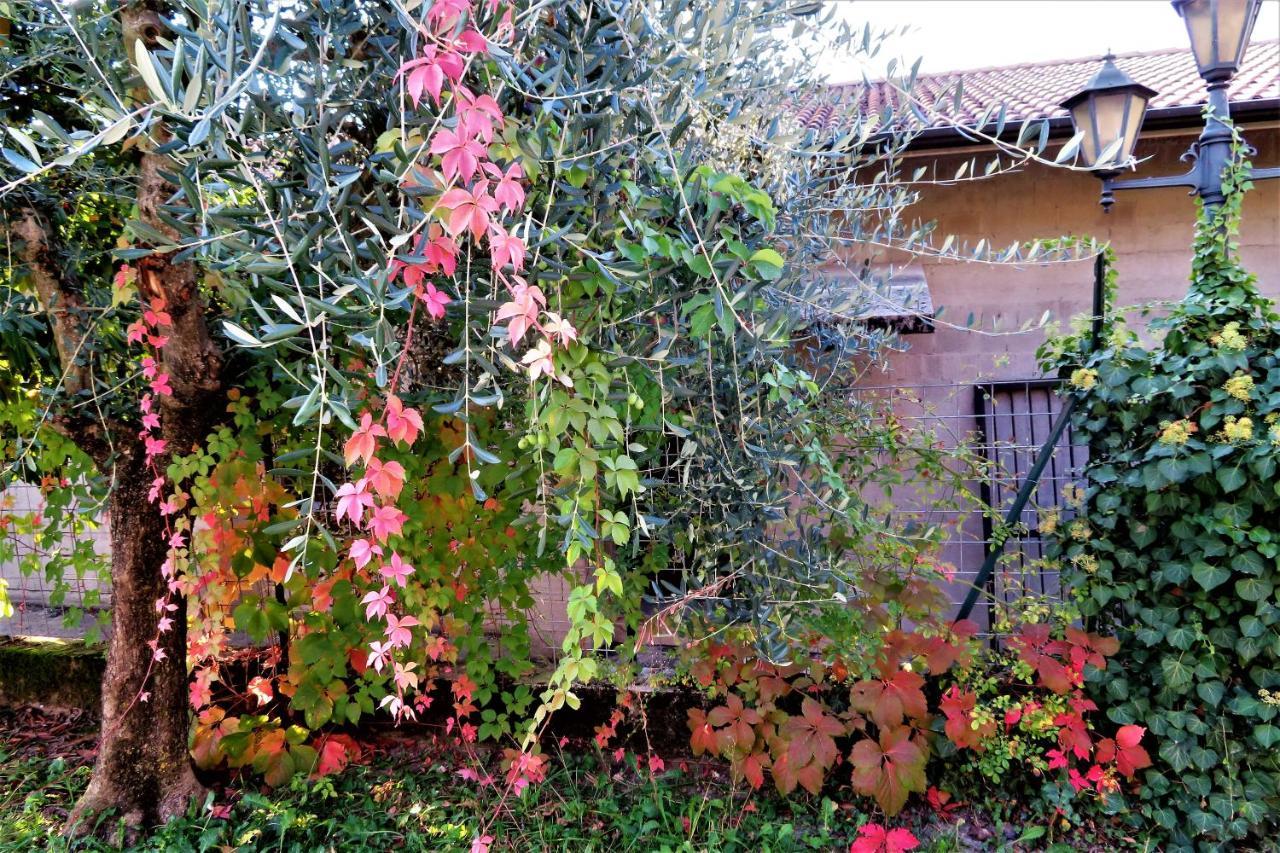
(1254, 589)
(1209, 576)
(1231, 478)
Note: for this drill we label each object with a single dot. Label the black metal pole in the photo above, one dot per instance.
(1213, 148)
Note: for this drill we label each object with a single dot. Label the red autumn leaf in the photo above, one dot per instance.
(1130, 757)
(891, 700)
(874, 838)
(335, 753)
(1073, 734)
(1097, 647)
(787, 775)
(811, 736)
(772, 687)
(270, 742)
(958, 707)
(889, 770)
(704, 738)
(940, 653)
(703, 672)
(751, 767)
(734, 723)
(260, 689)
(940, 802)
(1054, 675)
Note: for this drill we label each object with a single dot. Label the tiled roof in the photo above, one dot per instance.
(1034, 90)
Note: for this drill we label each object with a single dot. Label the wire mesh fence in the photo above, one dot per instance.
(1004, 423)
(50, 598)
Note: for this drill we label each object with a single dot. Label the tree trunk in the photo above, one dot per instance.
(143, 769)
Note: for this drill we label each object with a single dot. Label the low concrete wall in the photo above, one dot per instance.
(51, 673)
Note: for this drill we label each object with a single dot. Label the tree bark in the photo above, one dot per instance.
(62, 303)
(144, 766)
(143, 769)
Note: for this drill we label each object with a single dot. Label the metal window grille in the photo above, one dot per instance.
(1014, 419)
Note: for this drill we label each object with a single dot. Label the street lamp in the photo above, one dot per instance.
(1107, 113)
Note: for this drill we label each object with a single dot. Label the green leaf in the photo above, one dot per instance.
(1231, 478)
(1254, 589)
(251, 619)
(1209, 576)
(1177, 675)
(767, 263)
(1211, 692)
(147, 68)
(1267, 735)
(21, 162)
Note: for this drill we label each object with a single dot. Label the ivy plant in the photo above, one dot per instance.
(1176, 547)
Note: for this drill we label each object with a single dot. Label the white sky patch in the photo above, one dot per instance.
(951, 35)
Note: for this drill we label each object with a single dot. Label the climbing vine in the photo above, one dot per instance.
(1174, 546)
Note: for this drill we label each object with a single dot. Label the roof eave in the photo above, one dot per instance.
(1189, 117)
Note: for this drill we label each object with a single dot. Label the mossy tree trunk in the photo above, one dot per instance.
(143, 770)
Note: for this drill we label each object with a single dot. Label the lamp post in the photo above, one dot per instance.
(1107, 113)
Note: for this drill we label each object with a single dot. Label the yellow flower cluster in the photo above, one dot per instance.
(1086, 563)
(1084, 378)
(1073, 495)
(1080, 531)
(1269, 697)
(1176, 432)
(1275, 434)
(1120, 336)
(1048, 521)
(1237, 429)
(1230, 338)
(1240, 386)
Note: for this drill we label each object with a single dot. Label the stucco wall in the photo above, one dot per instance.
(1150, 231)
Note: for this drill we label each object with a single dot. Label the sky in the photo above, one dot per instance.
(952, 35)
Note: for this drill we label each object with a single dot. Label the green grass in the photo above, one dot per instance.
(579, 808)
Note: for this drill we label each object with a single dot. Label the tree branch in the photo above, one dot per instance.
(62, 303)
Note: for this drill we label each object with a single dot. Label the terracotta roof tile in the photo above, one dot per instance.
(1034, 90)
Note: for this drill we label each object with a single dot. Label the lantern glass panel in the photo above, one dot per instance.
(1104, 118)
(1233, 21)
(1082, 118)
(1132, 125)
(1198, 15)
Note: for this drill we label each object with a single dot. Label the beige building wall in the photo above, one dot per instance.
(1150, 231)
